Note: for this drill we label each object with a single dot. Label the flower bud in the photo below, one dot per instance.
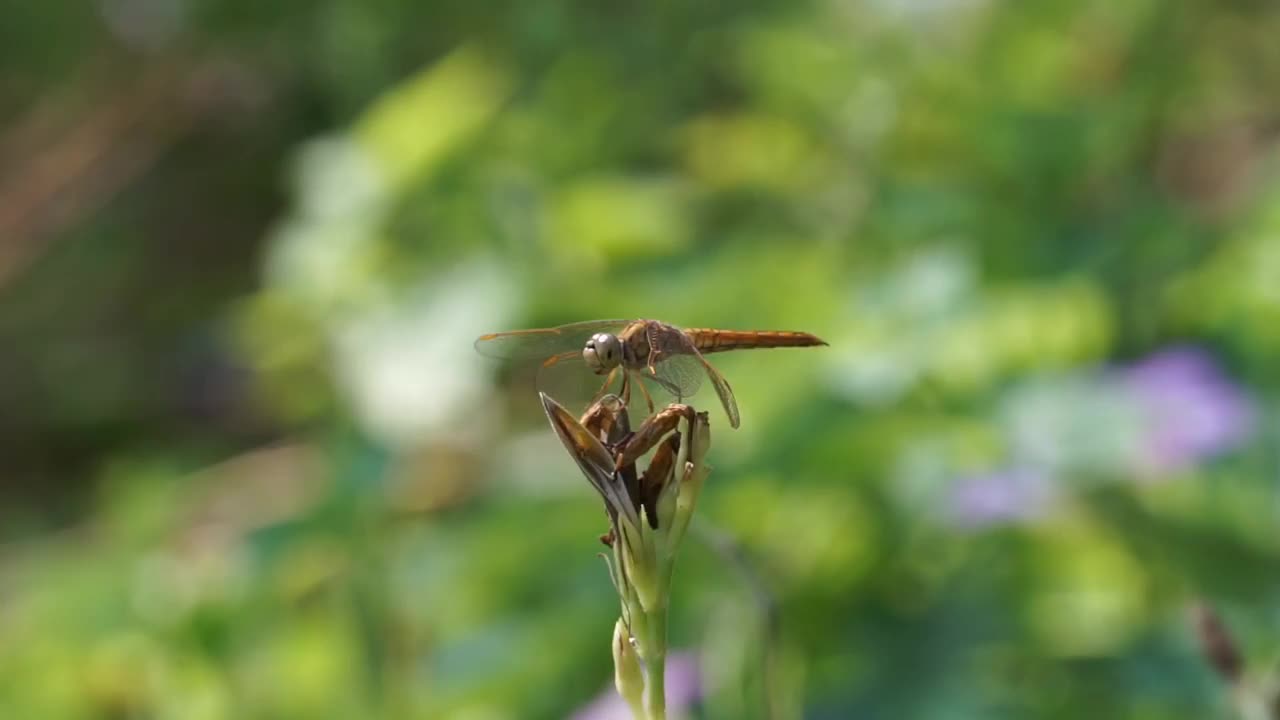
(627, 674)
(638, 561)
(690, 477)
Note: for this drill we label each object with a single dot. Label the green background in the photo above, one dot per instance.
(251, 466)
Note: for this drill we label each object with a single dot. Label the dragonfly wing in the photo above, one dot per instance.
(725, 392)
(567, 379)
(681, 375)
(545, 342)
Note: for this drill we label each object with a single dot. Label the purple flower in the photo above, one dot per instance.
(1163, 414)
(1191, 411)
(684, 688)
(1008, 495)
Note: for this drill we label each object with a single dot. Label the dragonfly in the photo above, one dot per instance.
(640, 352)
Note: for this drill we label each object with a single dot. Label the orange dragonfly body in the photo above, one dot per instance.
(669, 357)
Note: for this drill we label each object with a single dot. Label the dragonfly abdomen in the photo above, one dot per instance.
(709, 340)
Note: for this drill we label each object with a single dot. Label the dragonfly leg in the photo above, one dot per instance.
(605, 387)
(625, 392)
(654, 357)
(647, 397)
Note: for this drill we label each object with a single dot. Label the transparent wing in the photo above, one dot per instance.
(544, 343)
(680, 374)
(566, 378)
(724, 391)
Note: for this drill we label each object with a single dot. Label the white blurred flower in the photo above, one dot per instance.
(410, 369)
(340, 205)
(1082, 422)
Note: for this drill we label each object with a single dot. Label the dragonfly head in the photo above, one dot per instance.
(602, 353)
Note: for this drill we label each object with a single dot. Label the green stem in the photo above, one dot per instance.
(655, 659)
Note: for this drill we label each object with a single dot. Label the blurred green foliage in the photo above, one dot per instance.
(254, 469)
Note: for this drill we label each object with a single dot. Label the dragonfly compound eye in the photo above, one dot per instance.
(602, 352)
(590, 356)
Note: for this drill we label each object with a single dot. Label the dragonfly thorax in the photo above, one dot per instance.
(603, 352)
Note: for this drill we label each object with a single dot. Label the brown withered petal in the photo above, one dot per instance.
(584, 446)
(660, 473)
(651, 432)
(608, 420)
(593, 459)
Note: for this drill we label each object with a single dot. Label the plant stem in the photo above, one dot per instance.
(655, 659)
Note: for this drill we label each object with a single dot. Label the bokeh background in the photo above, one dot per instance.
(251, 466)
